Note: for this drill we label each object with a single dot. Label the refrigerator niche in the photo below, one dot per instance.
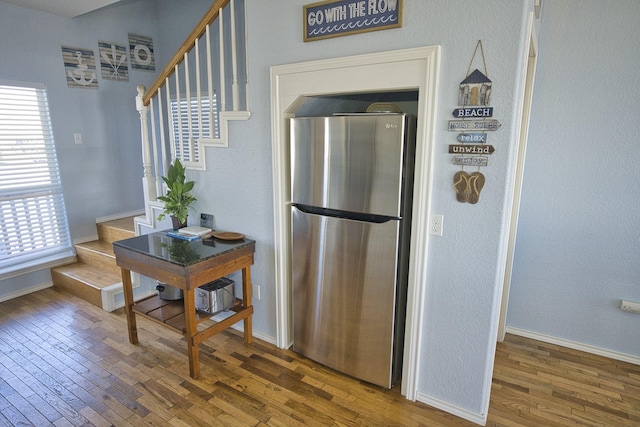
(352, 181)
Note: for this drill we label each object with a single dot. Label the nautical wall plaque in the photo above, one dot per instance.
(113, 61)
(141, 50)
(482, 125)
(473, 112)
(335, 18)
(472, 137)
(471, 149)
(80, 67)
(470, 161)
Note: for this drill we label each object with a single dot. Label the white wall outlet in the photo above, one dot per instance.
(256, 291)
(435, 224)
(630, 306)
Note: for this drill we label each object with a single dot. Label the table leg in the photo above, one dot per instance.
(192, 329)
(246, 301)
(128, 305)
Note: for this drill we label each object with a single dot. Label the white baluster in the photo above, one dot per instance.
(198, 95)
(172, 139)
(147, 175)
(163, 145)
(210, 84)
(235, 90)
(179, 143)
(246, 64)
(156, 166)
(223, 102)
(187, 96)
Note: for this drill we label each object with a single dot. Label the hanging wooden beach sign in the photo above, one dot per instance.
(472, 137)
(483, 125)
(470, 161)
(471, 149)
(473, 112)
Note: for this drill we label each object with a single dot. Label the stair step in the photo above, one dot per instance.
(118, 229)
(98, 253)
(84, 281)
(96, 268)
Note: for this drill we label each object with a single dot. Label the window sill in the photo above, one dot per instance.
(37, 265)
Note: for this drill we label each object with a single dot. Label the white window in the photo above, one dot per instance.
(192, 121)
(33, 220)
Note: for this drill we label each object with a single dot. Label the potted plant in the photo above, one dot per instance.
(178, 198)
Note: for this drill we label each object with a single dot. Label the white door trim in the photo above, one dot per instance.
(409, 69)
(528, 77)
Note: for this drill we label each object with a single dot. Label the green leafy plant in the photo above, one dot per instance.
(178, 198)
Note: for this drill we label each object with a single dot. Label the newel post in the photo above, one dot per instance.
(148, 180)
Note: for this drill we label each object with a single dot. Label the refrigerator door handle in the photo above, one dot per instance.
(355, 216)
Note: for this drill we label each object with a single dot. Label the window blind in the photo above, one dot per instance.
(185, 124)
(33, 221)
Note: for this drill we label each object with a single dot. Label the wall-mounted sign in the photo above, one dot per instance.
(462, 125)
(470, 149)
(141, 49)
(472, 137)
(80, 67)
(475, 89)
(334, 18)
(474, 97)
(470, 161)
(473, 112)
(113, 61)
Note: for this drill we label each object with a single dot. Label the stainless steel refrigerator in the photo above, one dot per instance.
(351, 188)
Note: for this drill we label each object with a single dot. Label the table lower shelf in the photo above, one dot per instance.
(171, 313)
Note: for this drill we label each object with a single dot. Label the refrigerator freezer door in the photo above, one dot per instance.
(344, 279)
(352, 163)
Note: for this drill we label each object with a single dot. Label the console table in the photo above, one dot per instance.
(186, 265)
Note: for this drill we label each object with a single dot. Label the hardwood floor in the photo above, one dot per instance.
(64, 362)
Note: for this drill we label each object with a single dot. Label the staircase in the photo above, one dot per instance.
(95, 277)
(187, 109)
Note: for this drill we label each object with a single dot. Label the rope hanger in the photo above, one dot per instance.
(484, 61)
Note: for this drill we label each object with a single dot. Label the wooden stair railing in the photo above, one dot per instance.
(211, 15)
(178, 120)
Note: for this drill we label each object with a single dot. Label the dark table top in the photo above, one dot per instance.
(178, 251)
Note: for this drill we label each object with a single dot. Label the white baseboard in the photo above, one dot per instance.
(26, 291)
(629, 358)
(240, 327)
(480, 419)
(39, 265)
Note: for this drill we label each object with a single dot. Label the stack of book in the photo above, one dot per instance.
(190, 233)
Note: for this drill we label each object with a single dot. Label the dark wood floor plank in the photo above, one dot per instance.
(64, 362)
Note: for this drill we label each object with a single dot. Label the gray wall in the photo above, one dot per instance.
(578, 241)
(577, 245)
